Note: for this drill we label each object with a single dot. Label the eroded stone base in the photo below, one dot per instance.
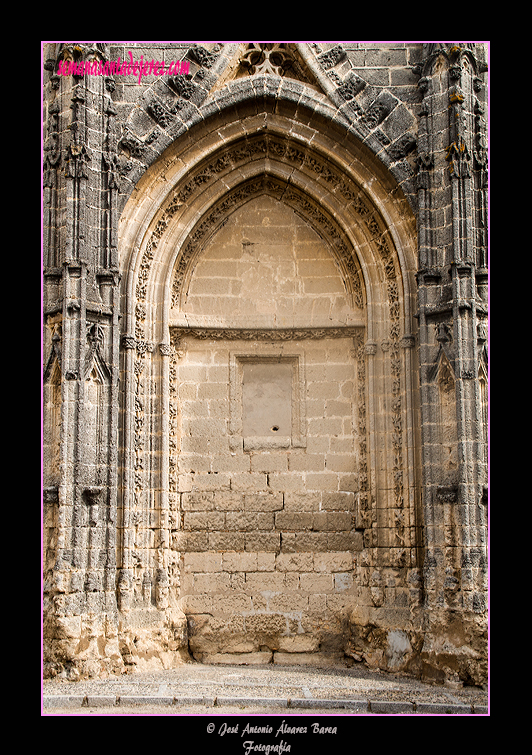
(79, 647)
(443, 655)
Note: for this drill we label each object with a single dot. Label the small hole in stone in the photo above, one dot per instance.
(275, 429)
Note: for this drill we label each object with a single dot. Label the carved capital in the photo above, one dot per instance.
(165, 349)
(128, 342)
(408, 341)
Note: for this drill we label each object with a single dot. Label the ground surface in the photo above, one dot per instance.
(216, 692)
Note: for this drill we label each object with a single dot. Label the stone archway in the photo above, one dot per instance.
(258, 537)
(141, 182)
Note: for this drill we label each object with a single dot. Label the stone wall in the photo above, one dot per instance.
(268, 445)
(268, 522)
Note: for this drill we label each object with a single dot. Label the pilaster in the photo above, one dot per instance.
(452, 275)
(80, 293)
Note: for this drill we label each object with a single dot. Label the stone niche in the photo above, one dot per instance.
(267, 402)
(268, 449)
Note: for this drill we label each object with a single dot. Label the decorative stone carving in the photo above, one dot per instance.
(332, 57)
(151, 502)
(256, 334)
(351, 87)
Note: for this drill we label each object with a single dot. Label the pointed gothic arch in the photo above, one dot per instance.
(357, 210)
(160, 466)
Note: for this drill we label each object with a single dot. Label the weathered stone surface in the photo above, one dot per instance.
(265, 356)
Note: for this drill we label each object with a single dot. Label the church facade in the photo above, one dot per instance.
(265, 356)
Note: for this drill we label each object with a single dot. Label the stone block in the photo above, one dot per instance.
(190, 604)
(211, 583)
(338, 521)
(343, 581)
(305, 659)
(263, 541)
(190, 463)
(241, 702)
(195, 409)
(293, 521)
(225, 500)
(249, 483)
(197, 501)
(227, 541)
(333, 562)
(100, 701)
(266, 623)
(239, 562)
(261, 581)
(297, 542)
(212, 390)
(300, 643)
(190, 541)
(133, 700)
(265, 561)
(348, 483)
(244, 522)
(204, 482)
(204, 520)
(63, 701)
(185, 700)
(345, 541)
(231, 463)
(307, 462)
(436, 709)
(203, 562)
(286, 481)
(316, 583)
(302, 502)
(338, 501)
(288, 602)
(340, 463)
(66, 627)
(322, 391)
(261, 443)
(390, 706)
(329, 285)
(269, 462)
(300, 562)
(321, 481)
(263, 501)
(231, 603)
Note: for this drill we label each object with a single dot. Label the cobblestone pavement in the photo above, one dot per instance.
(195, 689)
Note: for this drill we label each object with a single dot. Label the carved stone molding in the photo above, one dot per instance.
(332, 57)
(289, 152)
(256, 334)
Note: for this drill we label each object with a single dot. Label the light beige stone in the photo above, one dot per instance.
(255, 405)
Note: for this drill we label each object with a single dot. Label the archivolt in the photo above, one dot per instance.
(310, 182)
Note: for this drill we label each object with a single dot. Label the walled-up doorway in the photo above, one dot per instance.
(268, 412)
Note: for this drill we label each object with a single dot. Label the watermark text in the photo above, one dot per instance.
(123, 68)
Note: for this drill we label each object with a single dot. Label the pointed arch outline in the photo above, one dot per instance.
(185, 186)
(367, 206)
(339, 99)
